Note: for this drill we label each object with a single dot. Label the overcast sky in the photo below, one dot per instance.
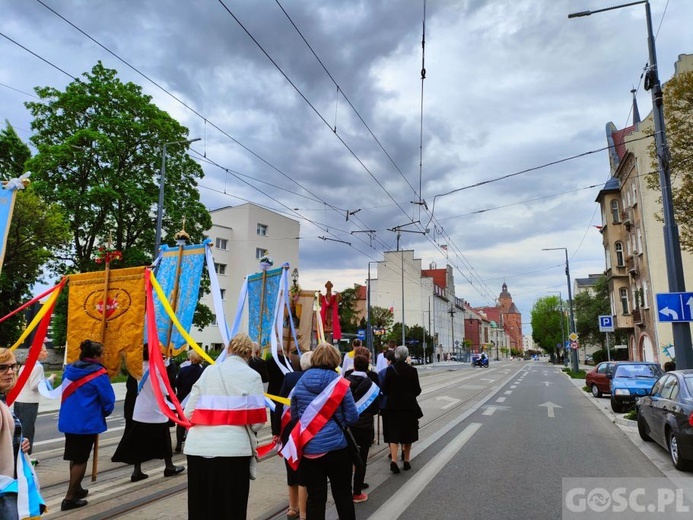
(510, 85)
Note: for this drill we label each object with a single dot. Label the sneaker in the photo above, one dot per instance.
(361, 497)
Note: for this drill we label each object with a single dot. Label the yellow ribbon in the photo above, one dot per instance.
(174, 319)
(37, 319)
(169, 311)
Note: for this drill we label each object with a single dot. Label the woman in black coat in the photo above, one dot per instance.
(402, 412)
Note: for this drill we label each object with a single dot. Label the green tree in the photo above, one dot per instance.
(348, 318)
(415, 337)
(100, 149)
(37, 231)
(546, 319)
(381, 318)
(678, 115)
(589, 305)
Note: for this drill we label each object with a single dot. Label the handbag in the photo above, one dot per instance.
(353, 446)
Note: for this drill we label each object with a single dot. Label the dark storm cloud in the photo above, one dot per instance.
(510, 85)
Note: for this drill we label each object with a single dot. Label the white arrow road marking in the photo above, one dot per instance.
(451, 401)
(489, 410)
(410, 490)
(547, 383)
(669, 312)
(501, 399)
(550, 406)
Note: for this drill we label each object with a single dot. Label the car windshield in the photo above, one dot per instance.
(638, 371)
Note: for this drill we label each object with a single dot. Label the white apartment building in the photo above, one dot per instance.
(241, 235)
(427, 298)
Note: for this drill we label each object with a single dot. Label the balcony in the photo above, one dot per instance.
(632, 265)
(627, 218)
(638, 316)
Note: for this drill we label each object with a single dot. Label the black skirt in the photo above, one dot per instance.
(400, 426)
(142, 442)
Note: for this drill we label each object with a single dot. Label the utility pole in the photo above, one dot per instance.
(672, 245)
(452, 312)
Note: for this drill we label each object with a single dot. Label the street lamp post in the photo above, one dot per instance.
(574, 353)
(672, 246)
(369, 327)
(560, 305)
(162, 177)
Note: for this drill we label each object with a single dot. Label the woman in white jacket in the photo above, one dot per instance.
(226, 408)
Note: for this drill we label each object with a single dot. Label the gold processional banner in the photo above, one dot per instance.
(124, 316)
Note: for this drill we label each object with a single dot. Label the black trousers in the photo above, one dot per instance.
(218, 488)
(336, 466)
(364, 439)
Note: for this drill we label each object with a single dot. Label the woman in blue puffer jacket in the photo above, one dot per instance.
(326, 454)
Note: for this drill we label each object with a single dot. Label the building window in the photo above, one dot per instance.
(262, 230)
(221, 243)
(260, 252)
(220, 268)
(618, 247)
(623, 294)
(607, 258)
(223, 293)
(615, 213)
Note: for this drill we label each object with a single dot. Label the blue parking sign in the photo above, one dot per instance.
(676, 306)
(606, 323)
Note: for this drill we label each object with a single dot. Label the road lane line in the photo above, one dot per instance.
(398, 503)
(508, 392)
(513, 387)
(501, 399)
(489, 410)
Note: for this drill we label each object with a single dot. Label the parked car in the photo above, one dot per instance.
(666, 416)
(589, 360)
(630, 380)
(597, 379)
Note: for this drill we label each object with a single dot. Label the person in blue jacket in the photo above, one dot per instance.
(87, 400)
(326, 455)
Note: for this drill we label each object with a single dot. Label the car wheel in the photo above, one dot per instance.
(674, 452)
(616, 406)
(595, 390)
(642, 428)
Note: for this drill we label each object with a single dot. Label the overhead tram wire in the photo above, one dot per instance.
(37, 56)
(74, 78)
(315, 110)
(346, 98)
(176, 98)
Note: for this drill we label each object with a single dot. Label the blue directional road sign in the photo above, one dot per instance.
(675, 307)
(606, 323)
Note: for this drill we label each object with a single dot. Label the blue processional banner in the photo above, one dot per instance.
(186, 266)
(6, 206)
(263, 292)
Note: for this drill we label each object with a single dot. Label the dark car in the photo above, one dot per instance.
(630, 380)
(666, 416)
(597, 379)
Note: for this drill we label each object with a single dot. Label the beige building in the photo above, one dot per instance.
(241, 235)
(633, 237)
(429, 296)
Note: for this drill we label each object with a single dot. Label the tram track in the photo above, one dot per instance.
(146, 493)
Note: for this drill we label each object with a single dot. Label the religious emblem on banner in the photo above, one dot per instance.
(109, 310)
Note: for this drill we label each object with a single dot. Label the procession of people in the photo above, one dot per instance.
(220, 439)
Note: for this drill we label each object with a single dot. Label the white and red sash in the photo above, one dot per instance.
(314, 417)
(229, 410)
